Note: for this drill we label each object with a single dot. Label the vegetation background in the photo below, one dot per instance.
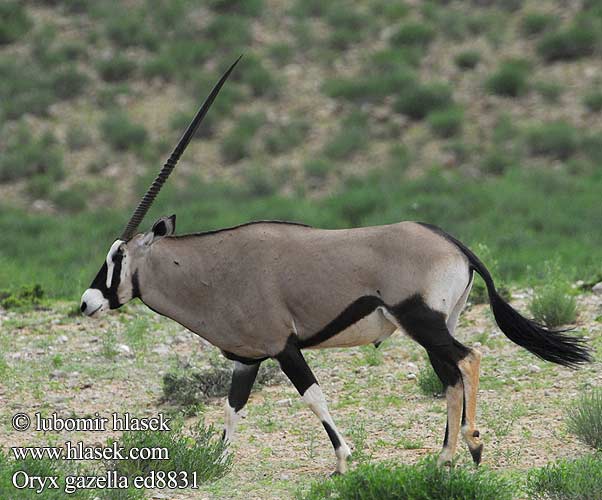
(481, 116)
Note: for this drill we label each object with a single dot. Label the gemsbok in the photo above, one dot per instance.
(269, 289)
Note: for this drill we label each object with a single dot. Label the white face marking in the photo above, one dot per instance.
(94, 301)
(110, 264)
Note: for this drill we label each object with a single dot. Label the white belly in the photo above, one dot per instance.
(370, 329)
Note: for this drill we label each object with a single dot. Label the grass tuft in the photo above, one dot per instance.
(429, 382)
(584, 418)
(423, 481)
(579, 479)
(510, 79)
(552, 303)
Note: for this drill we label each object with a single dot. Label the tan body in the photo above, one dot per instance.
(247, 289)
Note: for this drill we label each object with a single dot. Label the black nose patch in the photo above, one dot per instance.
(84, 306)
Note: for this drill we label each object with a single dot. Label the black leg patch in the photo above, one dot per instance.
(295, 367)
(240, 388)
(427, 327)
(245, 361)
(334, 439)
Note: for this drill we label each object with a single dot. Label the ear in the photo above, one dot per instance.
(165, 226)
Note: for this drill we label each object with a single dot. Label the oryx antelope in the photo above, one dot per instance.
(270, 289)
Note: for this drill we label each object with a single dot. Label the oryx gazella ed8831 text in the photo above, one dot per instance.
(270, 289)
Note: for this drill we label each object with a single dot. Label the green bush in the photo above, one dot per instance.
(510, 79)
(191, 386)
(68, 82)
(467, 59)
(14, 21)
(243, 7)
(420, 100)
(229, 32)
(26, 297)
(429, 382)
(423, 481)
(351, 137)
(69, 200)
(256, 76)
(579, 479)
(121, 133)
(26, 155)
(593, 101)
(549, 90)
(496, 161)
(317, 169)
(568, 44)
(116, 69)
(129, 27)
(178, 59)
(236, 145)
(370, 88)
(286, 137)
(414, 34)
(446, 122)
(534, 23)
(552, 303)
(78, 137)
(556, 139)
(584, 418)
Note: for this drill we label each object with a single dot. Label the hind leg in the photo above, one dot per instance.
(428, 327)
(469, 367)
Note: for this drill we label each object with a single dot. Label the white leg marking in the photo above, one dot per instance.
(314, 398)
(231, 418)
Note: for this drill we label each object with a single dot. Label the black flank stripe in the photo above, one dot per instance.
(354, 312)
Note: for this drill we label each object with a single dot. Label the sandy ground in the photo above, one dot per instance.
(57, 362)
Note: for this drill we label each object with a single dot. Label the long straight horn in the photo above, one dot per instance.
(155, 187)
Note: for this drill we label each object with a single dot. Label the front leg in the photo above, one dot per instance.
(243, 378)
(295, 367)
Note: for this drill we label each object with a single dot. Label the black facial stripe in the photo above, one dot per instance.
(135, 285)
(100, 281)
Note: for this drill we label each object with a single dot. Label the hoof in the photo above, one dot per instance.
(476, 454)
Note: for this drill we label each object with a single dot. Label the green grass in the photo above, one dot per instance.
(467, 59)
(121, 133)
(568, 44)
(201, 451)
(414, 34)
(424, 481)
(429, 382)
(14, 21)
(420, 100)
(593, 101)
(578, 479)
(552, 303)
(557, 139)
(116, 69)
(236, 145)
(28, 154)
(584, 418)
(546, 215)
(446, 123)
(535, 23)
(510, 79)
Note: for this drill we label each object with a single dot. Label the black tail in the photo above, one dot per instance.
(552, 345)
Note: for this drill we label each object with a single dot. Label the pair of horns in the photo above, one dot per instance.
(157, 184)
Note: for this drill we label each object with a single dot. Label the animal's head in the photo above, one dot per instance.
(116, 282)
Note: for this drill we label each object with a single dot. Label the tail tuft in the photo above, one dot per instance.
(547, 344)
(551, 345)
